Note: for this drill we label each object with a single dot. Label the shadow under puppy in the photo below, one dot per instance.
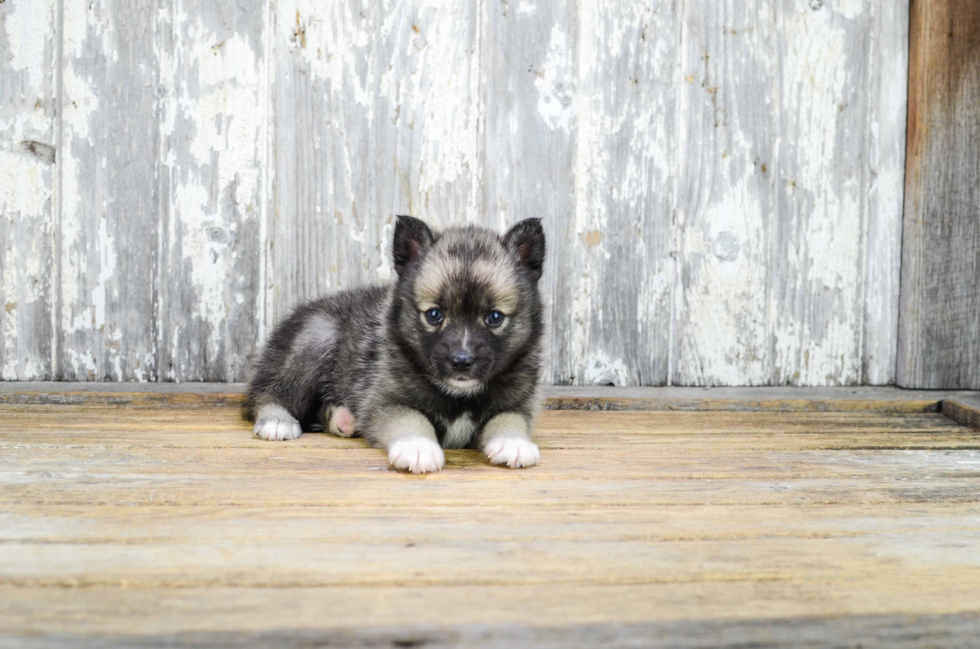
(447, 357)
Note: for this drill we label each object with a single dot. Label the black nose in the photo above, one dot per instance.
(462, 361)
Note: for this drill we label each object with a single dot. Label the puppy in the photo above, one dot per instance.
(447, 357)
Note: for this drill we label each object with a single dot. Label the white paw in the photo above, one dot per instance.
(419, 455)
(276, 424)
(515, 452)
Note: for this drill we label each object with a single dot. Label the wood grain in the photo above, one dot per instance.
(939, 336)
(721, 188)
(888, 87)
(210, 244)
(617, 319)
(532, 91)
(378, 112)
(110, 166)
(28, 186)
(964, 409)
(726, 202)
(820, 175)
(124, 526)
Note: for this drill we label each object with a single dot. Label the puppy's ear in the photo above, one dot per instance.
(412, 237)
(526, 242)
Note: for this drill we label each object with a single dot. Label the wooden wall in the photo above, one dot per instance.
(939, 340)
(721, 180)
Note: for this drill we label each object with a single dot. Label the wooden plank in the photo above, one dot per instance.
(529, 59)
(907, 613)
(110, 200)
(726, 196)
(888, 88)
(83, 524)
(615, 325)
(783, 399)
(939, 332)
(378, 112)
(28, 191)
(821, 175)
(963, 409)
(215, 129)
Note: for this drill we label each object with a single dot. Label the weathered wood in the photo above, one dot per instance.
(720, 188)
(28, 186)
(185, 618)
(110, 168)
(726, 198)
(378, 112)
(531, 89)
(963, 409)
(210, 236)
(821, 175)
(151, 526)
(616, 321)
(759, 399)
(888, 87)
(939, 333)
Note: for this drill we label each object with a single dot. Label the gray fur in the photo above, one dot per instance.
(373, 351)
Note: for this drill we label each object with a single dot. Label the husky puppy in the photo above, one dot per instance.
(446, 357)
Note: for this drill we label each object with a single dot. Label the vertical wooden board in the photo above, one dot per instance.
(939, 329)
(726, 194)
(378, 112)
(886, 132)
(618, 314)
(215, 126)
(109, 210)
(431, 111)
(28, 56)
(531, 90)
(817, 293)
(326, 225)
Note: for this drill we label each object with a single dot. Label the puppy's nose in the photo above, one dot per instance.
(462, 361)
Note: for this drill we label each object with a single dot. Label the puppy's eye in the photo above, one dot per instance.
(433, 316)
(494, 318)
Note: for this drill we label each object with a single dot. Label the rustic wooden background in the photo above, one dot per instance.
(721, 180)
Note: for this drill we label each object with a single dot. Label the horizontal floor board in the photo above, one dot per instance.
(143, 612)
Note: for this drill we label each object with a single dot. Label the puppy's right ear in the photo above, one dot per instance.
(412, 237)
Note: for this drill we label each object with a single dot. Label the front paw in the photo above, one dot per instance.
(515, 452)
(278, 430)
(419, 455)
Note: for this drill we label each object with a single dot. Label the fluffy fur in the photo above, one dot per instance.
(369, 362)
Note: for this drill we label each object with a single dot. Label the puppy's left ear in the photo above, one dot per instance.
(526, 242)
(412, 237)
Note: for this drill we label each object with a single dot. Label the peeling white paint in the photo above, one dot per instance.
(23, 25)
(392, 111)
(556, 88)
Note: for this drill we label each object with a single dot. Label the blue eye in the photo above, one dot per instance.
(433, 316)
(494, 318)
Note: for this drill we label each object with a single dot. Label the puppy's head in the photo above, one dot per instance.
(467, 300)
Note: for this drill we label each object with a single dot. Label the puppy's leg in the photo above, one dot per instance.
(339, 420)
(506, 440)
(273, 422)
(410, 439)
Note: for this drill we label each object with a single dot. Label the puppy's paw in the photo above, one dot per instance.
(419, 455)
(276, 424)
(515, 452)
(341, 422)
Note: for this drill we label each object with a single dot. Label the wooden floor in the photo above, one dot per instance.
(163, 523)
